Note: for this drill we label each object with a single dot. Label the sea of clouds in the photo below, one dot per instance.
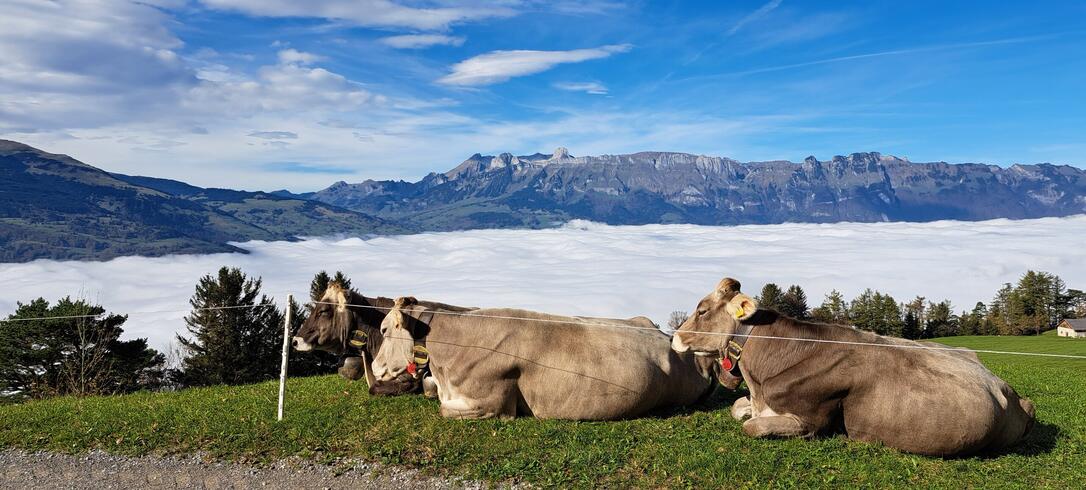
(588, 268)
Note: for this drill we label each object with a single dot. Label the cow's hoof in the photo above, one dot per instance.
(429, 387)
(741, 409)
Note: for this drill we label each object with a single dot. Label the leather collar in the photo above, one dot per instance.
(733, 349)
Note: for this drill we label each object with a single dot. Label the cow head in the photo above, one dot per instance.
(718, 315)
(329, 325)
(398, 332)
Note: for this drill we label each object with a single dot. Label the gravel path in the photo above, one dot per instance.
(100, 470)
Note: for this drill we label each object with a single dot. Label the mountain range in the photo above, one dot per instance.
(53, 206)
(662, 187)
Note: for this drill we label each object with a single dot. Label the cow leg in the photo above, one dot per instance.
(429, 387)
(501, 402)
(741, 409)
(352, 369)
(776, 426)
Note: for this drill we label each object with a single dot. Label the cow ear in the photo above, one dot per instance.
(741, 307)
(403, 301)
(728, 285)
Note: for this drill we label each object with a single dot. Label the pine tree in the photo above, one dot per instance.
(1076, 302)
(321, 282)
(941, 321)
(318, 286)
(236, 332)
(341, 279)
(833, 309)
(72, 356)
(794, 303)
(911, 326)
(771, 297)
(876, 312)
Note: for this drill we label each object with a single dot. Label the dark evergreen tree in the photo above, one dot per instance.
(321, 282)
(771, 297)
(910, 328)
(236, 332)
(876, 312)
(794, 303)
(72, 354)
(832, 310)
(318, 286)
(941, 320)
(1076, 303)
(1037, 302)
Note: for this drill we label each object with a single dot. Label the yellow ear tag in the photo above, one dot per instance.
(739, 313)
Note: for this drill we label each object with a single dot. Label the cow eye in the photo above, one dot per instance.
(701, 312)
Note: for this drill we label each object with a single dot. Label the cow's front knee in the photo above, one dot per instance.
(741, 409)
(776, 426)
(352, 369)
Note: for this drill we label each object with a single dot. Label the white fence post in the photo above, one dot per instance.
(286, 353)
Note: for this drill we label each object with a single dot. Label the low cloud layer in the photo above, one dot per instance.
(590, 269)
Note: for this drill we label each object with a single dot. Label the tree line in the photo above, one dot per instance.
(1037, 302)
(233, 335)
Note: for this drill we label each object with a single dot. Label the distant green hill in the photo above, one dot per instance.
(55, 207)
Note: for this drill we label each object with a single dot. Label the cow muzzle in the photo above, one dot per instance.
(677, 344)
(301, 345)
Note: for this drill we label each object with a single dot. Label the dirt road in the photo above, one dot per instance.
(99, 470)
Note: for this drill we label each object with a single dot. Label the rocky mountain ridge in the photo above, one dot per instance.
(668, 187)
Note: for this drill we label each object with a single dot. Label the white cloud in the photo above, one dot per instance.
(419, 41)
(274, 135)
(109, 60)
(293, 56)
(499, 66)
(594, 88)
(369, 13)
(590, 269)
(278, 88)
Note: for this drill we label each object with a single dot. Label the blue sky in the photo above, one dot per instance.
(263, 94)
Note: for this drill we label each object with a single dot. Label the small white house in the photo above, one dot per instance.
(1072, 328)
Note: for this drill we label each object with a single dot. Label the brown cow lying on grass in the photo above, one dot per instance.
(508, 362)
(345, 322)
(932, 402)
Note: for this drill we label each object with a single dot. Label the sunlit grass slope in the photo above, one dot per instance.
(328, 418)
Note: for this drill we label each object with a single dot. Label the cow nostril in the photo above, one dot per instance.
(294, 343)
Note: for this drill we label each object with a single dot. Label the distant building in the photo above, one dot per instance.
(1072, 328)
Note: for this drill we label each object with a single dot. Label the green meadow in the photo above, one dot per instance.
(329, 418)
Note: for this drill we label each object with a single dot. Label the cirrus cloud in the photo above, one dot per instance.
(594, 88)
(419, 41)
(499, 66)
(368, 13)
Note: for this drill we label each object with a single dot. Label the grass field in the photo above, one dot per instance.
(329, 418)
